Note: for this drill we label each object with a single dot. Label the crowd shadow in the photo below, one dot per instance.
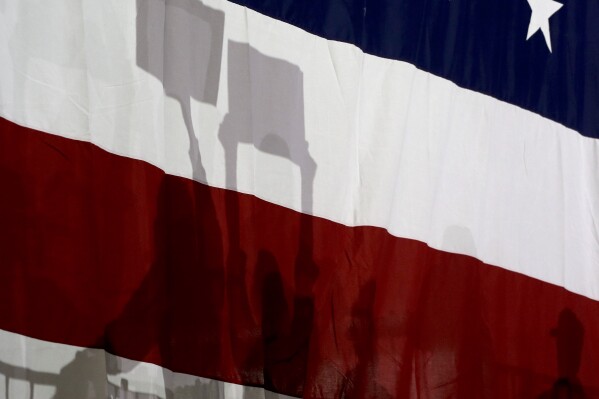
(202, 290)
(196, 303)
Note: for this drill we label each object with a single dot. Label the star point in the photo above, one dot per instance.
(542, 10)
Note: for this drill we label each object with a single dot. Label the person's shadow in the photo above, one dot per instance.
(176, 313)
(361, 380)
(83, 377)
(569, 339)
(266, 112)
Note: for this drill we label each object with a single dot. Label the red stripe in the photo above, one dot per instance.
(105, 251)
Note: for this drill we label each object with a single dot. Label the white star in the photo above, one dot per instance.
(542, 10)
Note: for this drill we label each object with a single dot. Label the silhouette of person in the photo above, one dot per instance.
(569, 339)
(175, 316)
(266, 110)
(361, 381)
(84, 377)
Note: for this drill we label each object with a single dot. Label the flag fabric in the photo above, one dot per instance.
(340, 199)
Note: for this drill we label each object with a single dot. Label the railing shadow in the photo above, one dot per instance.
(83, 377)
(86, 377)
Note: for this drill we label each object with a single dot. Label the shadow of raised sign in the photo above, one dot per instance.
(180, 43)
(266, 110)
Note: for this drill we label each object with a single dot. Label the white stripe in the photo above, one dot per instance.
(36, 369)
(387, 144)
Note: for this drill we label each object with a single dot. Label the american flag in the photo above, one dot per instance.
(332, 199)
